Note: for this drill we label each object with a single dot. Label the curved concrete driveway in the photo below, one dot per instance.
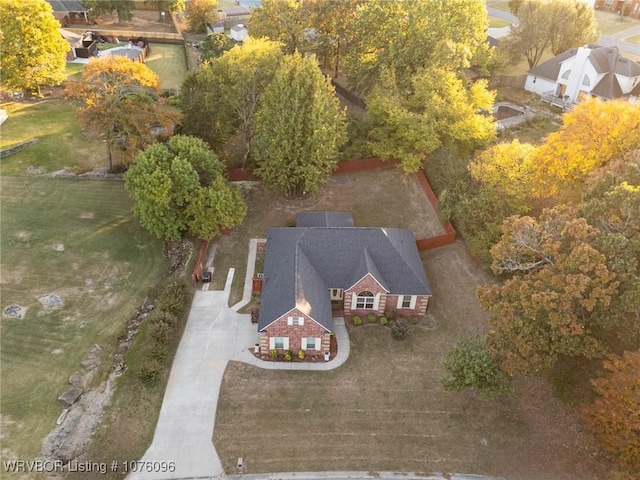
(213, 336)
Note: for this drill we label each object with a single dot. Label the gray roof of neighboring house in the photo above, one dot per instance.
(551, 68)
(235, 11)
(67, 6)
(303, 263)
(324, 219)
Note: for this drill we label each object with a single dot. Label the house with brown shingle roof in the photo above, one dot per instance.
(586, 71)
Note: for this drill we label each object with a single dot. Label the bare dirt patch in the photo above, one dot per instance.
(143, 20)
(385, 409)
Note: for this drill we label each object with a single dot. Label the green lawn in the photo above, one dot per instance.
(499, 4)
(74, 71)
(498, 22)
(634, 39)
(108, 266)
(60, 143)
(610, 23)
(169, 62)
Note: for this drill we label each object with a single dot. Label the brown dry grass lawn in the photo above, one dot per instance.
(377, 198)
(386, 410)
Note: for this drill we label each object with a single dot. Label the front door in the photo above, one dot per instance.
(336, 295)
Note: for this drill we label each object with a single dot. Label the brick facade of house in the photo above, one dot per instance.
(385, 303)
(420, 308)
(366, 284)
(295, 334)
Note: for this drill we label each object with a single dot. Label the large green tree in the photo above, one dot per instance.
(117, 103)
(441, 108)
(299, 128)
(409, 36)
(283, 21)
(200, 13)
(32, 51)
(550, 24)
(179, 189)
(333, 33)
(214, 46)
(166, 6)
(612, 205)
(222, 96)
(123, 8)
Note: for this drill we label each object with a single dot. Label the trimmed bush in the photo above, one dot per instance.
(371, 318)
(274, 353)
(301, 354)
(414, 321)
(383, 321)
(357, 321)
(288, 356)
(400, 329)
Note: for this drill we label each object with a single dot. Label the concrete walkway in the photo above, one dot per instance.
(213, 336)
(248, 278)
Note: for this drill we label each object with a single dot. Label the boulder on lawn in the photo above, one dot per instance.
(70, 397)
(76, 379)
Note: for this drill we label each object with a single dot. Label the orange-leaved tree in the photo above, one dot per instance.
(556, 299)
(614, 417)
(118, 103)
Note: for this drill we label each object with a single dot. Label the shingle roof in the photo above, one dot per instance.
(551, 68)
(324, 219)
(303, 263)
(67, 6)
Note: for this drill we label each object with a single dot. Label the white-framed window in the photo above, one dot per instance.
(586, 82)
(406, 301)
(565, 75)
(295, 321)
(311, 343)
(279, 342)
(365, 300)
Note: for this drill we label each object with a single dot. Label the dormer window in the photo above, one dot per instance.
(586, 82)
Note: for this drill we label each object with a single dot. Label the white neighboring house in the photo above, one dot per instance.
(577, 73)
(239, 33)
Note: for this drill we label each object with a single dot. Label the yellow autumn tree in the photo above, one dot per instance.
(506, 168)
(592, 135)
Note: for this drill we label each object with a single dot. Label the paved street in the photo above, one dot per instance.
(615, 40)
